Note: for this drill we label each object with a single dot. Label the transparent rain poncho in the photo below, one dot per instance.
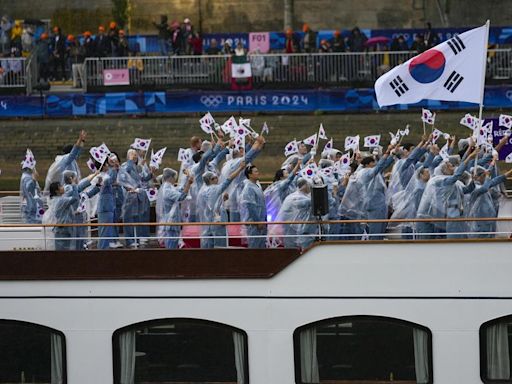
(276, 193)
(296, 207)
(351, 205)
(134, 203)
(406, 201)
(211, 209)
(63, 163)
(481, 204)
(443, 197)
(168, 209)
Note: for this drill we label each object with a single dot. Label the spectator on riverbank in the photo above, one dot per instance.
(58, 54)
(357, 40)
(43, 57)
(163, 35)
(5, 34)
(309, 39)
(213, 49)
(291, 42)
(337, 42)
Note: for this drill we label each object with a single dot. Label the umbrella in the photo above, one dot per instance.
(34, 22)
(377, 40)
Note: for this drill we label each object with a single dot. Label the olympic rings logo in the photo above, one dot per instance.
(211, 101)
(508, 95)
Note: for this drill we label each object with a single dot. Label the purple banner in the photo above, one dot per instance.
(497, 134)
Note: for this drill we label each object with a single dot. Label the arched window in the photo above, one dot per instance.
(31, 353)
(362, 348)
(180, 350)
(495, 350)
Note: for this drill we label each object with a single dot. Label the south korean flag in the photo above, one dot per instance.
(453, 70)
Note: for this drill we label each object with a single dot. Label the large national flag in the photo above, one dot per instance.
(453, 70)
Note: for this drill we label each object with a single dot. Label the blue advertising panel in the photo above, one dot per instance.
(137, 103)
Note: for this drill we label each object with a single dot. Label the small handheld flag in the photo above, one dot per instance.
(264, 129)
(142, 144)
(329, 145)
(505, 121)
(309, 171)
(29, 161)
(372, 141)
(91, 165)
(352, 142)
(183, 155)
(311, 140)
(321, 132)
(469, 121)
(428, 117)
(436, 134)
(152, 194)
(82, 207)
(156, 158)
(229, 125)
(207, 121)
(291, 148)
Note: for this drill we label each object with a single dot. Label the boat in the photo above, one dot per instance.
(436, 311)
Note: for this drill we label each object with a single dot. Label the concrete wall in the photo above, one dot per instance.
(264, 15)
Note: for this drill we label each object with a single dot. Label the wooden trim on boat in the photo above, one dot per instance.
(145, 264)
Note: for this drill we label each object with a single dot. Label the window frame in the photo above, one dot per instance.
(168, 320)
(354, 318)
(50, 329)
(483, 348)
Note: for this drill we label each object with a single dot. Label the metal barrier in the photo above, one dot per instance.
(13, 72)
(291, 70)
(161, 71)
(277, 234)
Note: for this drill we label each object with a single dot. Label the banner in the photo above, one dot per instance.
(116, 77)
(259, 41)
(497, 134)
(302, 100)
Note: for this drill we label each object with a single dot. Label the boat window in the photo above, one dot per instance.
(495, 350)
(31, 353)
(180, 350)
(363, 349)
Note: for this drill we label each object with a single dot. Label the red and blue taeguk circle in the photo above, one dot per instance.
(428, 66)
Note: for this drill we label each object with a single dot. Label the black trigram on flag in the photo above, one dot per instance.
(453, 81)
(398, 85)
(456, 44)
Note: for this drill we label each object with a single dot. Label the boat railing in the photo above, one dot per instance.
(289, 234)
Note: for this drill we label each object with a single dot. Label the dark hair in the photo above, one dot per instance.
(115, 153)
(54, 188)
(279, 175)
(408, 146)
(353, 166)
(367, 160)
(99, 166)
(248, 170)
(197, 156)
(67, 148)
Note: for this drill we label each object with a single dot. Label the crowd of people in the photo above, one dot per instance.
(61, 56)
(219, 182)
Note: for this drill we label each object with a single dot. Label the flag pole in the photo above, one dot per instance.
(482, 89)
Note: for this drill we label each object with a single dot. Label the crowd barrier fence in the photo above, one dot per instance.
(278, 69)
